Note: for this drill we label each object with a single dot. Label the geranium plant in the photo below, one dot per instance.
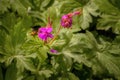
(59, 40)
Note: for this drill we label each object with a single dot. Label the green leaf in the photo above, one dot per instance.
(88, 10)
(45, 73)
(83, 2)
(2, 41)
(29, 78)
(92, 40)
(115, 3)
(41, 5)
(26, 3)
(16, 5)
(14, 41)
(4, 5)
(108, 7)
(42, 53)
(1, 73)
(72, 76)
(69, 6)
(63, 78)
(47, 3)
(8, 20)
(24, 63)
(18, 30)
(108, 60)
(116, 28)
(68, 76)
(109, 21)
(11, 73)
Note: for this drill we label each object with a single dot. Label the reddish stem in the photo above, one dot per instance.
(55, 35)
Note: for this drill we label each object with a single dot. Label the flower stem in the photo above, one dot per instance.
(55, 35)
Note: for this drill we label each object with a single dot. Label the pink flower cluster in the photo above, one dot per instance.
(45, 33)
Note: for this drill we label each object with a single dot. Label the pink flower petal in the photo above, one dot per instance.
(53, 51)
(44, 33)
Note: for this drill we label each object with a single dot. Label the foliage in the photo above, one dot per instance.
(90, 50)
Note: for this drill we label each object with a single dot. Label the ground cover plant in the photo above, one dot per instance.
(59, 40)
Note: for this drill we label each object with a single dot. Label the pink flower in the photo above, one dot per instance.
(44, 33)
(53, 51)
(66, 21)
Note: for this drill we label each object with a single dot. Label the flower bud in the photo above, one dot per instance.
(66, 21)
